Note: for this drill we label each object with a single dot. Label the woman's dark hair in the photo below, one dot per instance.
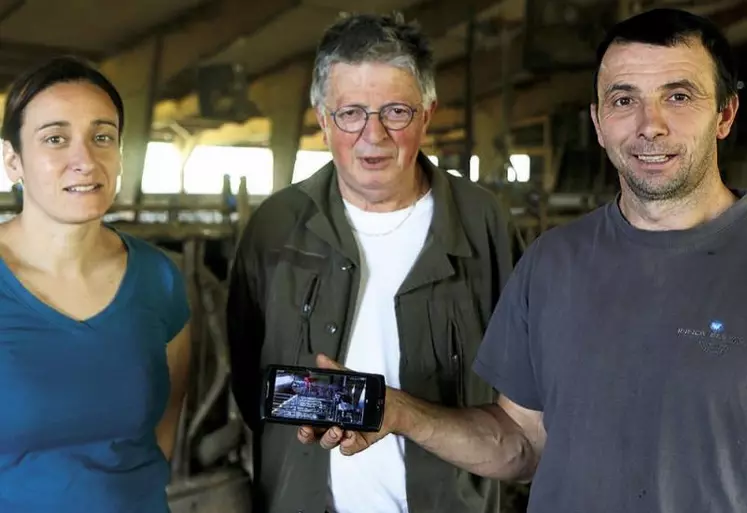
(58, 70)
(671, 27)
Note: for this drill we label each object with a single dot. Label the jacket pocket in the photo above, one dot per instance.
(456, 359)
(447, 346)
(308, 302)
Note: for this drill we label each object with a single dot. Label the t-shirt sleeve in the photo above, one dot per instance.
(505, 358)
(179, 312)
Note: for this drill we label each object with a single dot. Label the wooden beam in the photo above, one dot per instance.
(544, 97)
(197, 40)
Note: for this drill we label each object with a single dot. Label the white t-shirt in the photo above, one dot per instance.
(389, 243)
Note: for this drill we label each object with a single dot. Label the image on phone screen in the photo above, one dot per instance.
(308, 395)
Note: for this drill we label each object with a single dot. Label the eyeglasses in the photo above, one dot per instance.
(353, 118)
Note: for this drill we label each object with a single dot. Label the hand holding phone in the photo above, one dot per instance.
(323, 398)
(350, 441)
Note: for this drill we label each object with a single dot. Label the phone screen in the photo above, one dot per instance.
(321, 397)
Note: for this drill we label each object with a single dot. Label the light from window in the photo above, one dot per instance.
(207, 165)
(474, 168)
(518, 171)
(5, 183)
(161, 169)
(309, 162)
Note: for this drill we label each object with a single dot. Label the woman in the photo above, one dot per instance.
(94, 333)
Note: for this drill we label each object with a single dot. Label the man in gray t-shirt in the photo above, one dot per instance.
(619, 344)
(633, 344)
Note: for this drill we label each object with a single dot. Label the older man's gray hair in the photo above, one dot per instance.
(357, 39)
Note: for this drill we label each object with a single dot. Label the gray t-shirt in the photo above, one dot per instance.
(633, 344)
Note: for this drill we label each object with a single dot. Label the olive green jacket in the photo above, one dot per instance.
(293, 291)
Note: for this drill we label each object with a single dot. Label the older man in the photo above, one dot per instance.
(619, 343)
(379, 260)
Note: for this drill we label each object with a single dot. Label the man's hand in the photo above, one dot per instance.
(350, 442)
(500, 440)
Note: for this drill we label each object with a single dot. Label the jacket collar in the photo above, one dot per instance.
(330, 222)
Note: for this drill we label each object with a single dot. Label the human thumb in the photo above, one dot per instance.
(325, 362)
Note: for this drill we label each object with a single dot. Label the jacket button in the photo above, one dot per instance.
(331, 328)
(344, 267)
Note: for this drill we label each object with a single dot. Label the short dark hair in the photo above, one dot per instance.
(358, 38)
(671, 27)
(54, 71)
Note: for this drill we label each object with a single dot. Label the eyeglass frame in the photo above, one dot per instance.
(369, 113)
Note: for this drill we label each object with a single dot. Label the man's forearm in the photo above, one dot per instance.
(483, 440)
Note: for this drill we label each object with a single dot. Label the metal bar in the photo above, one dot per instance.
(469, 92)
(153, 80)
(507, 87)
(242, 206)
(211, 310)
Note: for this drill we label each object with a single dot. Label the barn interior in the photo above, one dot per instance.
(218, 118)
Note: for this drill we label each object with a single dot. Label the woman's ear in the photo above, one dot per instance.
(12, 162)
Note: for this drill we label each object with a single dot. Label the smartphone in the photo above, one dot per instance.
(323, 398)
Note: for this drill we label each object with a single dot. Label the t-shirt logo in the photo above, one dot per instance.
(715, 340)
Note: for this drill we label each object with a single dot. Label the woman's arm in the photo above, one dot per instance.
(178, 354)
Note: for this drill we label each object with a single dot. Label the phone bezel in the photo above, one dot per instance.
(373, 413)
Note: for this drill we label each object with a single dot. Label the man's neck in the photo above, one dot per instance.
(705, 203)
(406, 193)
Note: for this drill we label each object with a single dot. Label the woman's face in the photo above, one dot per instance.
(70, 157)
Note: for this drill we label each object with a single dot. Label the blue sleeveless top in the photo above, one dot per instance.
(81, 400)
